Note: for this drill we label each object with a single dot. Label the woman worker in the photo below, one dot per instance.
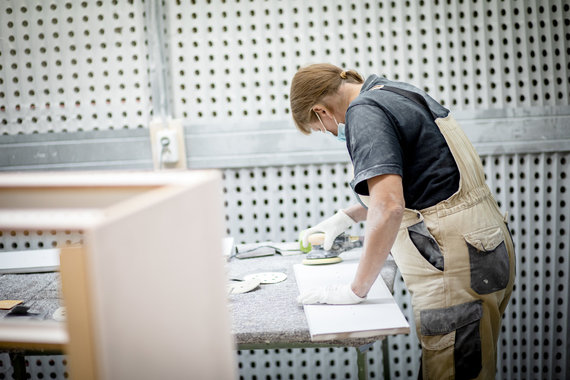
(425, 200)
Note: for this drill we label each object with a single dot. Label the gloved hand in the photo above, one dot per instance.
(331, 227)
(332, 294)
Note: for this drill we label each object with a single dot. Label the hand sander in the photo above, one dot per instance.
(318, 255)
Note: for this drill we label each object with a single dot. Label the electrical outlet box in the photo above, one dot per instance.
(167, 143)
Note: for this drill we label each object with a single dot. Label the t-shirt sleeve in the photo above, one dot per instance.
(374, 145)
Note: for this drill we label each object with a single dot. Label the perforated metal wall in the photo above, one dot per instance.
(5, 366)
(298, 363)
(72, 66)
(534, 188)
(277, 203)
(235, 60)
(38, 239)
(83, 65)
(37, 367)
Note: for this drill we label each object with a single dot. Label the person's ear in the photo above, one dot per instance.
(321, 110)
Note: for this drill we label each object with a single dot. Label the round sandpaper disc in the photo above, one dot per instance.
(59, 314)
(267, 277)
(239, 287)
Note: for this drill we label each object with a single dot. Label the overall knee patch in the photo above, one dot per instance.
(451, 340)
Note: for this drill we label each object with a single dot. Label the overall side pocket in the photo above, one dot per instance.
(488, 260)
(426, 244)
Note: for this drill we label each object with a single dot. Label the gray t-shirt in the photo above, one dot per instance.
(388, 133)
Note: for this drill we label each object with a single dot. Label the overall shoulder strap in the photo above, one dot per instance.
(413, 96)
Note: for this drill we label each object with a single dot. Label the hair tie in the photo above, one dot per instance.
(343, 74)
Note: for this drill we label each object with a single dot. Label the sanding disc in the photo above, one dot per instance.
(328, 260)
(238, 287)
(267, 277)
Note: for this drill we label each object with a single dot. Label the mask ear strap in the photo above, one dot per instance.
(336, 122)
(324, 130)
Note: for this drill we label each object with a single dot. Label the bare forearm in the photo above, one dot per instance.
(382, 226)
(357, 212)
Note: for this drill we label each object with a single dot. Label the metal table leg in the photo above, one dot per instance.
(361, 361)
(362, 365)
(18, 361)
(386, 359)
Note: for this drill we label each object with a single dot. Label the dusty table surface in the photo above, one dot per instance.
(270, 314)
(41, 292)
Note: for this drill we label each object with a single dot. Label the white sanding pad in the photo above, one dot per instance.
(238, 287)
(328, 260)
(267, 277)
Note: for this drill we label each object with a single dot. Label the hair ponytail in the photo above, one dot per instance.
(352, 76)
(310, 85)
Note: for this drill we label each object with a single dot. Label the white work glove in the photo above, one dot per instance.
(331, 227)
(332, 295)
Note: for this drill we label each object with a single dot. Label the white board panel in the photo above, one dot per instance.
(378, 315)
(41, 260)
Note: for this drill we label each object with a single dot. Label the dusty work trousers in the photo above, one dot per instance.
(457, 260)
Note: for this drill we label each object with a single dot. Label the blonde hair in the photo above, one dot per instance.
(313, 83)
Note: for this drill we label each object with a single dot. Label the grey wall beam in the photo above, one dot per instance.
(232, 145)
(119, 149)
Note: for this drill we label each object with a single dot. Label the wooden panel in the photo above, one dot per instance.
(159, 288)
(146, 294)
(55, 197)
(79, 316)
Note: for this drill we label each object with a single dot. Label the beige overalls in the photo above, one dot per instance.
(457, 260)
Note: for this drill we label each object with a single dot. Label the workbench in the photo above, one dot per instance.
(265, 318)
(270, 317)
